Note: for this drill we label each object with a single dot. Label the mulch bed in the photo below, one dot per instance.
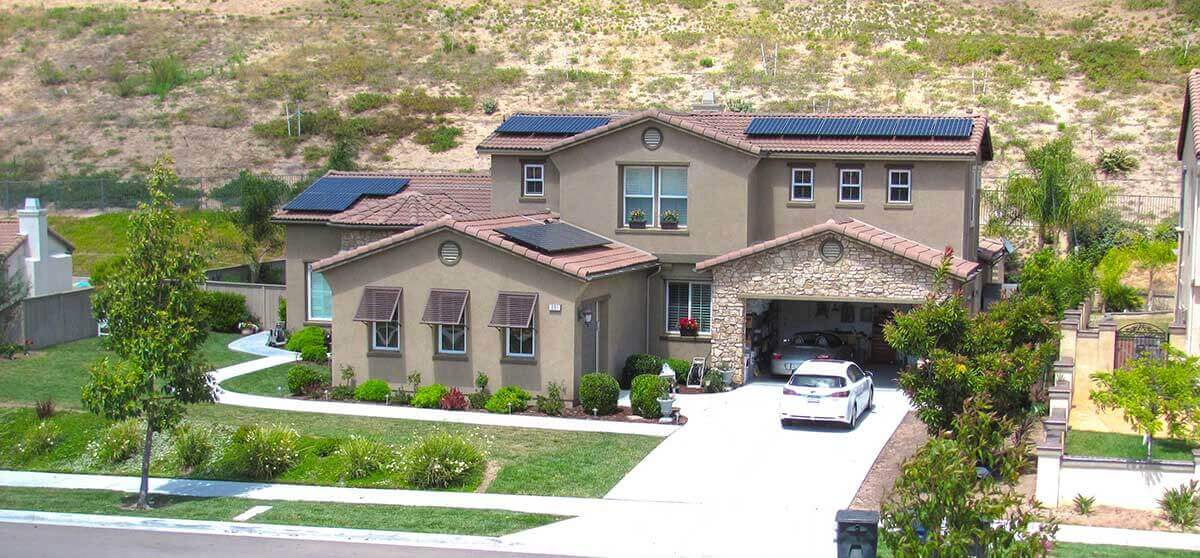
(905, 441)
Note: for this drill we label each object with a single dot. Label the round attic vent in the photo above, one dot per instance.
(831, 250)
(449, 252)
(652, 138)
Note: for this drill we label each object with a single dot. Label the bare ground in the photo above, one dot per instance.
(905, 441)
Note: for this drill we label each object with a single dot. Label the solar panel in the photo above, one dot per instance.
(336, 193)
(857, 126)
(784, 126)
(553, 237)
(878, 127)
(550, 124)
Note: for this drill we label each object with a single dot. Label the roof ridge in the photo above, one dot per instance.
(408, 173)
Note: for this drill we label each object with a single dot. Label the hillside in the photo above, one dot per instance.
(404, 83)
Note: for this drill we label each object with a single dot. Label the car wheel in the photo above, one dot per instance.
(785, 423)
(871, 400)
(853, 422)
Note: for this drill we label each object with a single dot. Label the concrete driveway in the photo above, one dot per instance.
(756, 488)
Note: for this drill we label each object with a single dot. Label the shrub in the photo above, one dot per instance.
(281, 311)
(1119, 297)
(644, 394)
(508, 399)
(681, 368)
(1084, 504)
(481, 381)
(489, 105)
(193, 446)
(707, 62)
(1117, 161)
(479, 399)
(1182, 504)
(261, 452)
(401, 397)
(638, 364)
(314, 353)
(373, 390)
(303, 378)
(365, 457)
(1064, 282)
(599, 392)
(454, 400)
(552, 403)
(341, 393)
(223, 311)
(365, 101)
(166, 73)
(44, 408)
(430, 396)
(713, 382)
(49, 74)
(740, 105)
(118, 442)
(439, 139)
(38, 440)
(442, 461)
(309, 336)
(325, 447)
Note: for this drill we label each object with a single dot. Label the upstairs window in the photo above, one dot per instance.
(692, 300)
(534, 182)
(802, 184)
(899, 186)
(850, 186)
(320, 296)
(673, 192)
(654, 191)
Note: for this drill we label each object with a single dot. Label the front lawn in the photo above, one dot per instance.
(60, 371)
(451, 521)
(271, 382)
(1127, 446)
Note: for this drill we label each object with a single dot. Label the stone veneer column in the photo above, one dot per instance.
(729, 325)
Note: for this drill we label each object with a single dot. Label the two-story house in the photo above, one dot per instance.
(1185, 331)
(606, 231)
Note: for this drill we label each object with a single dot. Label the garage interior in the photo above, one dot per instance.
(858, 324)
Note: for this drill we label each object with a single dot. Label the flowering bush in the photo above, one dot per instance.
(301, 378)
(689, 325)
(442, 461)
(366, 457)
(118, 442)
(453, 400)
(193, 446)
(38, 440)
(262, 452)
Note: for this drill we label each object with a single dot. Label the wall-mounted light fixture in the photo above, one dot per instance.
(586, 316)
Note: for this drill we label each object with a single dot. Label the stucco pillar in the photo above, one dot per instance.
(1107, 346)
(1049, 464)
(1177, 337)
(1196, 463)
(1067, 339)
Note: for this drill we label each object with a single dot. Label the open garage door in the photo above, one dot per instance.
(781, 333)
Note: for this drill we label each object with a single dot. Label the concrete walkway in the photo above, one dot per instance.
(256, 344)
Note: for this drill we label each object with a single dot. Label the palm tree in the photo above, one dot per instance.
(1058, 189)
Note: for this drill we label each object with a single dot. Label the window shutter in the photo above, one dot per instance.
(379, 304)
(445, 307)
(514, 310)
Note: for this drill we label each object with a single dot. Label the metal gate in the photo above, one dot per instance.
(1139, 339)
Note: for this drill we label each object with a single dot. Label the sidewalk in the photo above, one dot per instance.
(256, 344)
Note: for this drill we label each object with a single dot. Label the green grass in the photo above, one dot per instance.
(1129, 446)
(315, 514)
(271, 381)
(1077, 550)
(60, 371)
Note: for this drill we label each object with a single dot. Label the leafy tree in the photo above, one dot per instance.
(942, 506)
(1110, 272)
(258, 199)
(151, 299)
(13, 290)
(1058, 191)
(1064, 282)
(1154, 394)
(1152, 255)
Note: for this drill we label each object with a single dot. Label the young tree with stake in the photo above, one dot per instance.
(155, 321)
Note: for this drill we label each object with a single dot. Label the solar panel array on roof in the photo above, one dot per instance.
(336, 193)
(858, 126)
(550, 124)
(553, 237)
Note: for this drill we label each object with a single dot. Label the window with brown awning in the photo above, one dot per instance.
(445, 307)
(514, 310)
(379, 304)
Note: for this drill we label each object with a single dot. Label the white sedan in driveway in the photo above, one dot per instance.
(827, 390)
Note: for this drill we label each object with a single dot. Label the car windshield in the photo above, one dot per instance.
(815, 340)
(812, 381)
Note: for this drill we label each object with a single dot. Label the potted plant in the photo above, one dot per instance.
(666, 400)
(248, 328)
(670, 219)
(637, 219)
(688, 327)
(726, 376)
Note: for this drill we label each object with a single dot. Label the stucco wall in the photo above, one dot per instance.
(668, 344)
(304, 244)
(484, 271)
(1187, 289)
(507, 179)
(626, 296)
(796, 271)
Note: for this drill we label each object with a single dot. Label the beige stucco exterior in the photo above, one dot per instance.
(1187, 288)
(305, 244)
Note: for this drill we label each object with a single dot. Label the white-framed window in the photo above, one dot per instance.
(899, 186)
(452, 339)
(655, 190)
(319, 297)
(802, 184)
(533, 182)
(519, 342)
(850, 185)
(385, 336)
(689, 299)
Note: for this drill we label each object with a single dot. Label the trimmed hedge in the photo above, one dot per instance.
(508, 399)
(599, 391)
(430, 396)
(223, 311)
(311, 335)
(643, 396)
(301, 378)
(314, 353)
(638, 364)
(681, 368)
(373, 390)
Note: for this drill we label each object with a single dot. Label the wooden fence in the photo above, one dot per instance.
(262, 300)
(54, 318)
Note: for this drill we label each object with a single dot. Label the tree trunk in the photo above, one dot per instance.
(255, 268)
(1150, 292)
(1041, 236)
(144, 490)
(1149, 447)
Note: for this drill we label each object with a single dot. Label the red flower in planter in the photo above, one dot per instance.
(688, 324)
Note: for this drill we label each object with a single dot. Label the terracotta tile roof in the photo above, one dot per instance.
(584, 263)
(862, 232)
(1191, 113)
(437, 194)
(10, 237)
(729, 128)
(991, 248)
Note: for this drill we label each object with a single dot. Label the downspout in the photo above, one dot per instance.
(657, 270)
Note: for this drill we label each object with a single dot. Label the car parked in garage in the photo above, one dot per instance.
(827, 390)
(807, 345)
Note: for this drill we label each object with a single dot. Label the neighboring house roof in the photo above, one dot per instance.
(427, 196)
(862, 232)
(583, 263)
(729, 128)
(991, 249)
(11, 237)
(1191, 109)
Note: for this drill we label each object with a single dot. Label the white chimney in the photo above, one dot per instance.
(33, 224)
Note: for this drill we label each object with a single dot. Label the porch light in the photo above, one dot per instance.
(586, 316)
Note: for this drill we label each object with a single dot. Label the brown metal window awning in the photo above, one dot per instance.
(514, 310)
(379, 304)
(445, 307)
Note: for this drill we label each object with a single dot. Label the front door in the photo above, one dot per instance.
(594, 331)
